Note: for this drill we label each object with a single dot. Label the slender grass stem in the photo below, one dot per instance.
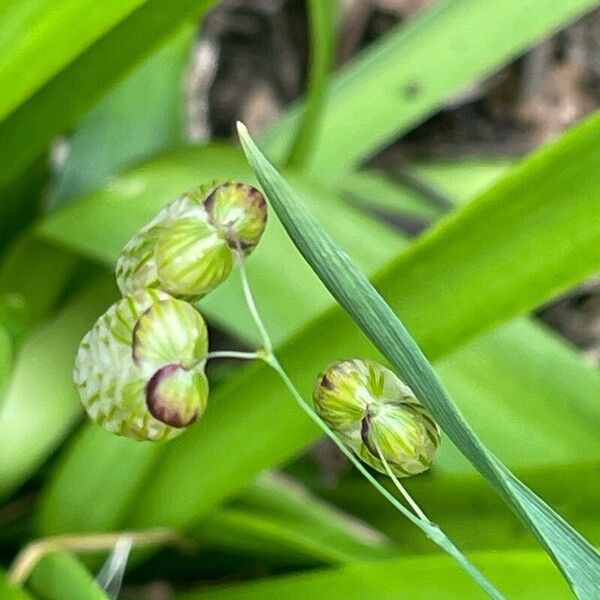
(232, 354)
(323, 37)
(433, 531)
(268, 346)
(409, 499)
(227, 354)
(30, 556)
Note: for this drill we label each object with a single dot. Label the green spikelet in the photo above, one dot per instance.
(239, 213)
(363, 401)
(190, 247)
(140, 369)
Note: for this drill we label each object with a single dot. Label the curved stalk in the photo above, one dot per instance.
(30, 556)
(409, 499)
(433, 531)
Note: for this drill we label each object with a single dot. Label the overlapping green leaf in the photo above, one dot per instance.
(278, 520)
(575, 557)
(33, 274)
(456, 181)
(39, 398)
(55, 107)
(59, 576)
(125, 127)
(461, 180)
(6, 356)
(410, 73)
(39, 38)
(375, 190)
(22, 201)
(526, 575)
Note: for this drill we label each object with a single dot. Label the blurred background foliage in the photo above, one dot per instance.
(399, 122)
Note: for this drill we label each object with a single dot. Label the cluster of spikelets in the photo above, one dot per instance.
(377, 416)
(140, 369)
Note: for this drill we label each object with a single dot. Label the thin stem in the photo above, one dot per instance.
(29, 557)
(232, 354)
(323, 37)
(397, 483)
(268, 346)
(226, 354)
(433, 532)
(274, 363)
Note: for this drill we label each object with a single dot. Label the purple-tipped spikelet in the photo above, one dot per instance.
(190, 247)
(368, 406)
(140, 369)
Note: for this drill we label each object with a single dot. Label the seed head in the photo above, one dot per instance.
(190, 247)
(239, 213)
(370, 407)
(140, 369)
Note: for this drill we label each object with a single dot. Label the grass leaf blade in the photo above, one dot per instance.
(322, 25)
(575, 557)
(28, 130)
(411, 72)
(527, 575)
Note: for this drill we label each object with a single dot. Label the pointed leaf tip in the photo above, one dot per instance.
(242, 130)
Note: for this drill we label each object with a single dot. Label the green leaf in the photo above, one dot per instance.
(58, 105)
(8, 591)
(59, 576)
(271, 516)
(574, 556)
(40, 403)
(6, 356)
(279, 520)
(39, 38)
(527, 575)
(459, 181)
(411, 72)
(21, 202)
(124, 127)
(464, 179)
(32, 278)
(322, 17)
(375, 190)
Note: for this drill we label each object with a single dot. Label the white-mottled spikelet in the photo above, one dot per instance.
(140, 369)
